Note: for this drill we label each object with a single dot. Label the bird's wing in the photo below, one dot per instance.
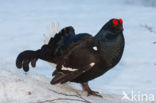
(71, 75)
(65, 32)
(76, 61)
(63, 40)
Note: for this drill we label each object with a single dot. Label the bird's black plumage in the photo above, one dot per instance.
(79, 58)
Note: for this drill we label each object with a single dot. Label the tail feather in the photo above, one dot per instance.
(51, 31)
(24, 58)
(55, 40)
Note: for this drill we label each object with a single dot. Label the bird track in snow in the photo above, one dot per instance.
(149, 28)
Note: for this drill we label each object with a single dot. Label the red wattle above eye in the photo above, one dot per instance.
(121, 21)
(115, 22)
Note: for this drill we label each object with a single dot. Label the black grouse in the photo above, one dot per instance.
(79, 58)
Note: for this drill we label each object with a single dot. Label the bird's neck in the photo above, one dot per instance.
(105, 35)
(110, 46)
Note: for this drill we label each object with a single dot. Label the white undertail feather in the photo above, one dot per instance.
(51, 31)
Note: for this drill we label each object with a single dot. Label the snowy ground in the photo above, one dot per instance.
(34, 88)
(22, 24)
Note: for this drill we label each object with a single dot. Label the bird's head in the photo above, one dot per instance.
(113, 28)
(114, 25)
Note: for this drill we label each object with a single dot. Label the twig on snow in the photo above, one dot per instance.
(60, 99)
(77, 95)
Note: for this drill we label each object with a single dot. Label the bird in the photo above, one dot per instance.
(81, 57)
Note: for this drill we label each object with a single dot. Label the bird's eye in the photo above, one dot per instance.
(115, 22)
(121, 21)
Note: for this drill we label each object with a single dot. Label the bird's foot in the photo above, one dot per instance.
(94, 93)
(90, 92)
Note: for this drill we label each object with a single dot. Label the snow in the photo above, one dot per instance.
(23, 23)
(35, 88)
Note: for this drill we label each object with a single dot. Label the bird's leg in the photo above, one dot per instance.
(86, 87)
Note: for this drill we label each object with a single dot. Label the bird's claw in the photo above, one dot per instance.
(94, 93)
